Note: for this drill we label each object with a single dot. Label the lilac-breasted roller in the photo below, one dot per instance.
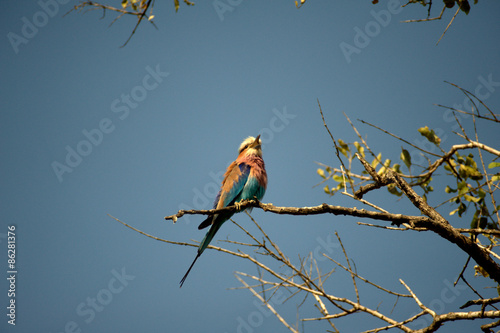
(245, 179)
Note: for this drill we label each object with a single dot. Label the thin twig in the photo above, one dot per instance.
(349, 265)
(480, 101)
(406, 228)
(462, 272)
(449, 24)
(401, 139)
(365, 202)
(365, 280)
(427, 19)
(419, 303)
(336, 147)
(269, 306)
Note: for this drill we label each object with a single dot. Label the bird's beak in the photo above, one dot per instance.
(256, 143)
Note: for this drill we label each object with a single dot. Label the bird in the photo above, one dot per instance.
(244, 179)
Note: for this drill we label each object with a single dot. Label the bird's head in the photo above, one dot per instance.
(251, 146)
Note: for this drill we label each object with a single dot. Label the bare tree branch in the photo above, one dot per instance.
(315, 210)
(481, 302)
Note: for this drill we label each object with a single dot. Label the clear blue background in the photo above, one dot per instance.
(230, 76)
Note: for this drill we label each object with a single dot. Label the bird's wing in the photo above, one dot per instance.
(235, 179)
(233, 184)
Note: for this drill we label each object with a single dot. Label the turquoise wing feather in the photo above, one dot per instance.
(232, 186)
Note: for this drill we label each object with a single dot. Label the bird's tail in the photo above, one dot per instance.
(209, 236)
(189, 270)
(203, 245)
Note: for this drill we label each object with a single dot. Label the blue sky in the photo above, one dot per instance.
(156, 122)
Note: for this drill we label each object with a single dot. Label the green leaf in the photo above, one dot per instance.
(495, 178)
(483, 209)
(449, 3)
(343, 147)
(430, 135)
(386, 165)
(406, 158)
(480, 271)
(493, 165)
(483, 222)
(464, 6)
(471, 198)
(475, 219)
(338, 179)
(343, 144)
(424, 130)
(447, 166)
(449, 189)
(469, 161)
(176, 2)
(362, 151)
(466, 171)
(462, 188)
(461, 209)
(327, 189)
(375, 161)
(360, 148)
(396, 168)
(392, 188)
(321, 173)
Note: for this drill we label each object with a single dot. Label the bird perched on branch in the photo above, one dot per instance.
(245, 179)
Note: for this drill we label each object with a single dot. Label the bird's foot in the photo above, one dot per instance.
(238, 206)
